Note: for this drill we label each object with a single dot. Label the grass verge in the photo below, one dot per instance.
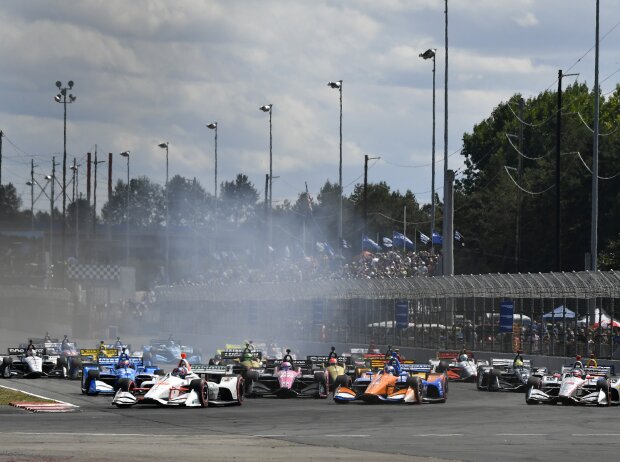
(8, 396)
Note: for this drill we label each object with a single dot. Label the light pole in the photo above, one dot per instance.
(126, 154)
(76, 200)
(213, 126)
(268, 108)
(62, 98)
(428, 54)
(338, 85)
(165, 146)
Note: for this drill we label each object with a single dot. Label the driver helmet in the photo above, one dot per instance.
(180, 371)
(577, 373)
(125, 363)
(286, 366)
(183, 356)
(389, 369)
(246, 356)
(463, 357)
(333, 361)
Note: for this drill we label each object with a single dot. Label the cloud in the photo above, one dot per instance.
(528, 20)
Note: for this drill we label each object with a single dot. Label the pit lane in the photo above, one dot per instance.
(472, 426)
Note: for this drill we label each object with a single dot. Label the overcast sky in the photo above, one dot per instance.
(152, 71)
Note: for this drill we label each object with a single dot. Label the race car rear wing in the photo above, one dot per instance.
(105, 361)
(597, 371)
(504, 362)
(237, 352)
(325, 359)
(93, 353)
(416, 368)
(16, 351)
(453, 354)
(379, 363)
(204, 369)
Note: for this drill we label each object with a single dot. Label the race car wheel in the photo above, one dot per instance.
(240, 390)
(415, 383)
(159, 372)
(342, 381)
(126, 385)
(321, 378)
(6, 367)
(534, 382)
(75, 368)
(250, 378)
(481, 375)
(202, 390)
(63, 366)
(92, 374)
(493, 379)
(442, 366)
(603, 385)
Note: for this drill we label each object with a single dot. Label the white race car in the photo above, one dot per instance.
(203, 386)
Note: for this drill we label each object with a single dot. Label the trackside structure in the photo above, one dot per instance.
(558, 314)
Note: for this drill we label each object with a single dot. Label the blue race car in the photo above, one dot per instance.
(105, 375)
(169, 352)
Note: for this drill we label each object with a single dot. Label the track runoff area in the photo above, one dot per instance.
(473, 426)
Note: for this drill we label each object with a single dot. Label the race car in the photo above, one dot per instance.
(104, 377)
(287, 379)
(503, 375)
(575, 385)
(19, 363)
(168, 352)
(396, 383)
(202, 386)
(64, 356)
(458, 366)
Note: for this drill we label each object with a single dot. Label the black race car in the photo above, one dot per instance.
(503, 375)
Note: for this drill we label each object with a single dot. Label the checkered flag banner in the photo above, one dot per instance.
(94, 272)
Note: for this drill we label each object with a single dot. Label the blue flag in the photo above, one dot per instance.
(424, 238)
(437, 239)
(369, 244)
(387, 242)
(399, 241)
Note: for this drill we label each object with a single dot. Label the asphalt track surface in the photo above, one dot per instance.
(471, 426)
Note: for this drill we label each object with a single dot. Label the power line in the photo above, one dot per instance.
(591, 129)
(420, 165)
(523, 155)
(527, 191)
(529, 124)
(592, 173)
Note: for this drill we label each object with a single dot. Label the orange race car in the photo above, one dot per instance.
(396, 383)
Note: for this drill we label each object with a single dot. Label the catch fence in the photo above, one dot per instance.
(559, 314)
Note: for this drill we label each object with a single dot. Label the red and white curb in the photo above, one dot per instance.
(44, 407)
(56, 406)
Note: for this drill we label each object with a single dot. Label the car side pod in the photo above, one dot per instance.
(343, 395)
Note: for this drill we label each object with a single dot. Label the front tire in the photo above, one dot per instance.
(202, 390)
(240, 390)
(533, 383)
(415, 382)
(493, 379)
(92, 375)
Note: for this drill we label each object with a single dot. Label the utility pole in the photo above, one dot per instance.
(267, 206)
(95, 196)
(594, 219)
(447, 239)
(32, 195)
(52, 179)
(558, 141)
(109, 176)
(1, 135)
(366, 159)
(519, 196)
(88, 166)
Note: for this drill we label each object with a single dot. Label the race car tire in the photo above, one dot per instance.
(74, 370)
(63, 366)
(322, 380)
(442, 366)
(342, 381)
(159, 372)
(532, 383)
(493, 379)
(6, 367)
(415, 382)
(480, 379)
(250, 378)
(202, 390)
(603, 385)
(126, 385)
(240, 390)
(92, 374)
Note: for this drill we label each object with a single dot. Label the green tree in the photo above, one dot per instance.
(238, 200)
(188, 202)
(146, 203)
(9, 202)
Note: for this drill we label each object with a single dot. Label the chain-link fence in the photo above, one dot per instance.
(558, 314)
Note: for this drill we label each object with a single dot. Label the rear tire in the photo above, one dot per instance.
(92, 374)
(482, 374)
(415, 382)
(240, 390)
(202, 390)
(342, 381)
(75, 368)
(493, 379)
(322, 380)
(442, 366)
(603, 385)
(6, 367)
(250, 378)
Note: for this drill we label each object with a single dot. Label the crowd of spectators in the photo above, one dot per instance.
(231, 268)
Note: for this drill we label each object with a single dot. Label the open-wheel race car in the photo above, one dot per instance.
(103, 375)
(408, 383)
(287, 379)
(26, 364)
(575, 385)
(503, 375)
(201, 386)
(458, 366)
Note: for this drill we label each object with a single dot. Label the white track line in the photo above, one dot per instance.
(439, 435)
(521, 434)
(347, 436)
(595, 434)
(38, 396)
